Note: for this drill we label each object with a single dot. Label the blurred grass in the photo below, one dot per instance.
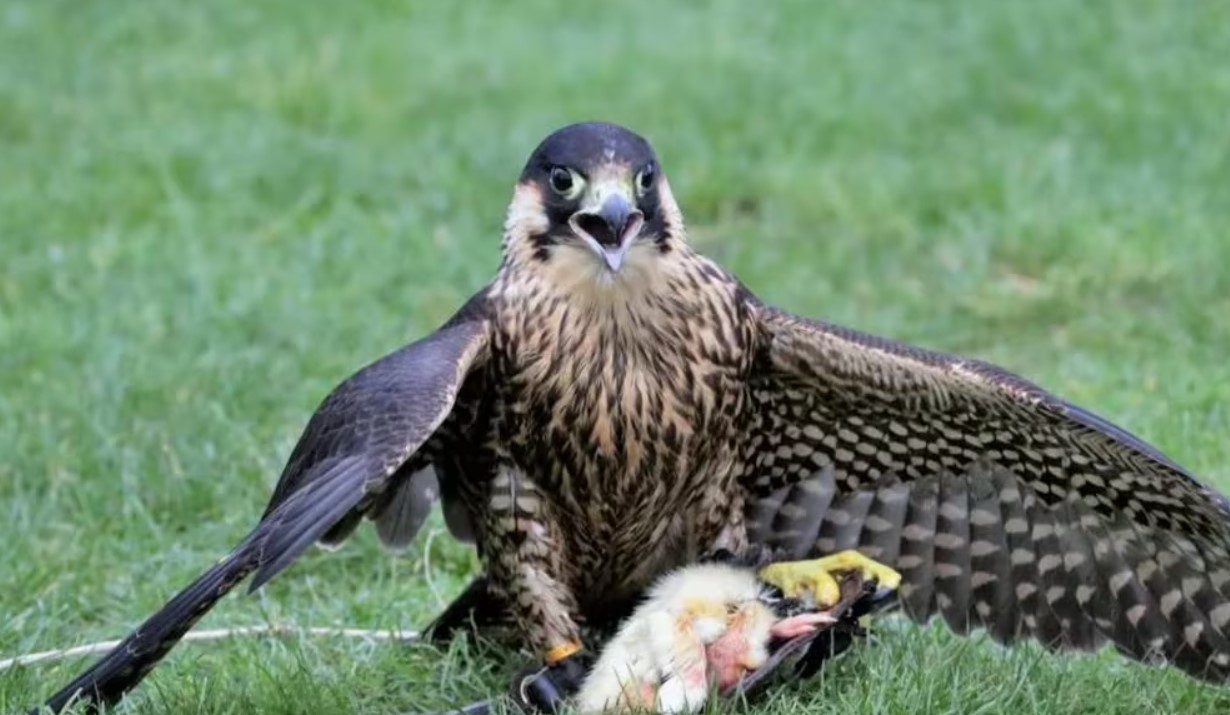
(210, 213)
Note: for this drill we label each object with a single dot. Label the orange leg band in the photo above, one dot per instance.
(562, 651)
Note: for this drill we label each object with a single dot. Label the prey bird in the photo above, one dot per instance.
(699, 629)
(614, 405)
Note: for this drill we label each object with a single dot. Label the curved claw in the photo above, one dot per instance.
(546, 689)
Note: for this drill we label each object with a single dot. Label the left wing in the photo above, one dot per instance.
(1003, 506)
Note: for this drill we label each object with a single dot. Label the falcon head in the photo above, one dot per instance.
(592, 199)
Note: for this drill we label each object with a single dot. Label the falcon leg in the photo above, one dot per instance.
(724, 519)
(477, 609)
(816, 578)
(524, 553)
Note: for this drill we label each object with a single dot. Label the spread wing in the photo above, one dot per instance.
(366, 450)
(1003, 506)
(363, 452)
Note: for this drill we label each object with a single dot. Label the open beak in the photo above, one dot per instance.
(609, 227)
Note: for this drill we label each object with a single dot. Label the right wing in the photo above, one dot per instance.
(371, 428)
(368, 433)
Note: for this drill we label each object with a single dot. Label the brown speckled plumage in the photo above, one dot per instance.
(609, 407)
(1003, 506)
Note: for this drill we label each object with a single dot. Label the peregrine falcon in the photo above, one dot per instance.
(613, 405)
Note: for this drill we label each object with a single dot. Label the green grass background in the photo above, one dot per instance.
(212, 212)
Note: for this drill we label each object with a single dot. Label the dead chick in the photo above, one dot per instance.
(700, 629)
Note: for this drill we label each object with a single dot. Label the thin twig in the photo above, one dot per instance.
(213, 635)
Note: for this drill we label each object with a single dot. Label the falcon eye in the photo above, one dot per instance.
(565, 182)
(645, 179)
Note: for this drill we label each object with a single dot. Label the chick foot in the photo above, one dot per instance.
(816, 580)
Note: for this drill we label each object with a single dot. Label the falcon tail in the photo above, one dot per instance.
(120, 670)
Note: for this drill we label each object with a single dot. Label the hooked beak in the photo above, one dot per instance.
(610, 228)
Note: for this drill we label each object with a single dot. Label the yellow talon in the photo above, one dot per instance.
(816, 578)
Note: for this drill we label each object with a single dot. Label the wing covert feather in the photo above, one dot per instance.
(1025, 515)
(362, 435)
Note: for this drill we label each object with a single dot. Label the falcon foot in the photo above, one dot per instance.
(807, 652)
(547, 689)
(816, 581)
(699, 628)
(703, 630)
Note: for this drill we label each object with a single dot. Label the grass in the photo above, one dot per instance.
(212, 212)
